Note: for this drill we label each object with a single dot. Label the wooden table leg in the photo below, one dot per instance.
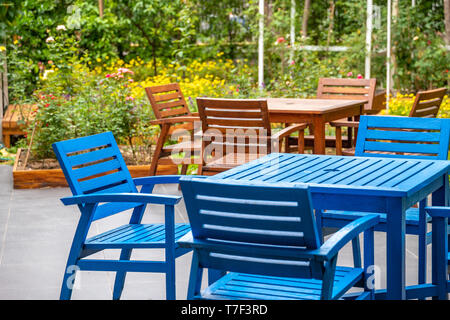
(395, 249)
(319, 135)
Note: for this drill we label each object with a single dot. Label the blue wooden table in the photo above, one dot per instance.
(383, 185)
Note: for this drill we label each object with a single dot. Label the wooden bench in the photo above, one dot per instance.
(15, 121)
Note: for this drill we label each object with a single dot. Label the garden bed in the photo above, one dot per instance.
(47, 173)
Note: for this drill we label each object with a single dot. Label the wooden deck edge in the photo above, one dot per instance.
(44, 178)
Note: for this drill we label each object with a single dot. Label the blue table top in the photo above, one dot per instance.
(342, 174)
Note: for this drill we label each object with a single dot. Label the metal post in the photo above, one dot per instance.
(293, 10)
(388, 54)
(369, 28)
(261, 46)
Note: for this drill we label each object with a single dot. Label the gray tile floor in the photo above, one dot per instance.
(36, 232)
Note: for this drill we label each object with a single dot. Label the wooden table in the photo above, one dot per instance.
(367, 184)
(314, 111)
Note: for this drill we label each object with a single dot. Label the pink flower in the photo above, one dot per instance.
(108, 76)
(130, 80)
(359, 76)
(292, 62)
(129, 98)
(125, 70)
(280, 40)
(350, 74)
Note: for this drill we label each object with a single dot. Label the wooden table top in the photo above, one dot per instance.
(310, 106)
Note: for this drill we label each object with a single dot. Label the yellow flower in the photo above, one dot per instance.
(2, 48)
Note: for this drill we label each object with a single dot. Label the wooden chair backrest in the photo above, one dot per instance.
(228, 214)
(167, 101)
(403, 137)
(427, 103)
(94, 164)
(235, 126)
(350, 89)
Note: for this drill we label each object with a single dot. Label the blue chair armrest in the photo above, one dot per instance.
(188, 241)
(338, 240)
(156, 180)
(441, 212)
(122, 197)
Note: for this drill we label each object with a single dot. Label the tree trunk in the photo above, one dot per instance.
(395, 13)
(100, 8)
(447, 21)
(305, 18)
(330, 26)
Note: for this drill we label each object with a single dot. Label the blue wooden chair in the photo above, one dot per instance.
(265, 237)
(440, 251)
(102, 186)
(398, 137)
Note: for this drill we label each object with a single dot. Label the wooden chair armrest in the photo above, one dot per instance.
(289, 130)
(345, 123)
(174, 120)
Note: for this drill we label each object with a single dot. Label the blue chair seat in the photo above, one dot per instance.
(135, 236)
(252, 286)
(412, 216)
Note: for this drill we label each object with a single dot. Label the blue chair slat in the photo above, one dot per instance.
(430, 142)
(265, 236)
(102, 186)
(224, 214)
(396, 137)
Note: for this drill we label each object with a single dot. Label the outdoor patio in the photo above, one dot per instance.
(36, 232)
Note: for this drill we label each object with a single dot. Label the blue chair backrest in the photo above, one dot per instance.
(94, 164)
(271, 217)
(403, 137)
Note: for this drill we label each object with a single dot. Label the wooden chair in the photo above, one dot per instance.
(398, 137)
(426, 105)
(440, 249)
(345, 89)
(265, 237)
(352, 89)
(172, 113)
(237, 131)
(101, 187)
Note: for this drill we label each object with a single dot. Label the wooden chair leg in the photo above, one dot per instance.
(158, 149)
(339, 141)
(301, 142)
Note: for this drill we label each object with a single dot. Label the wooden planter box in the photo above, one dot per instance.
(32, 179)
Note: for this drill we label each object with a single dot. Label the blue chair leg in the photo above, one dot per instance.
(170, 252)
(75, 251)
(121, 275)
(422, 277)
(170, 280)
(68, 280)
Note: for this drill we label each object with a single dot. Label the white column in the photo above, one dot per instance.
(388, 54)
(261, 45)
(369, 27)
(293, 10)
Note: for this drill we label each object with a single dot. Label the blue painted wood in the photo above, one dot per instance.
(378, 135)
(102, 186)
(366, 184)
(265, 235)
(440, 253)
